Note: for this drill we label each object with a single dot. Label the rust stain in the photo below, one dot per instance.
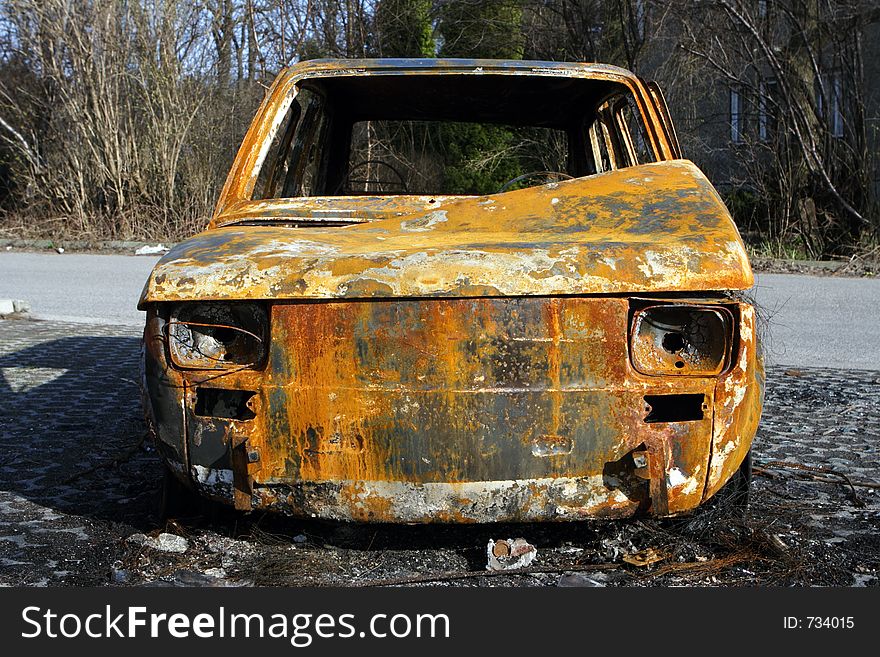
(467, 409)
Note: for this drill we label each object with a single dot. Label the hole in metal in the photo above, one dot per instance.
(673, 342)
(621, 475)
(674, 408)
(222, 403)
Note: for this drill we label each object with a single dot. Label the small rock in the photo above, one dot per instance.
(510, 554)
(119, 576)
(163, 542)
(168, 543)
(861, 581)
(151, 250)
(60, 249)
(300, 538)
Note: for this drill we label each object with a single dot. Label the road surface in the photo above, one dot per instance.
(77, 287)
(814, 321)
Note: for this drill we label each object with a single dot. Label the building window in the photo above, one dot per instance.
(639, 16)
(836, 117)
(736, 117)
(766, 115)
(762, 8)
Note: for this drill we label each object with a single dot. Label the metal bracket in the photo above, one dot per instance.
(242, 482)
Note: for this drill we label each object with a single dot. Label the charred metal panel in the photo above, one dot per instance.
(219, 446)
(739, 397)
(163, 388)
(456, 410)
(467, 393)
(651, 228)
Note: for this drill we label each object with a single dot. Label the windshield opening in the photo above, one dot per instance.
(449, 135)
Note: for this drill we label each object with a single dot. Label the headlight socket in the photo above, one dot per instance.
(218, 335)
(681, 339)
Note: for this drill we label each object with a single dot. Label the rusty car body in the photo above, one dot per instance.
(578, 347)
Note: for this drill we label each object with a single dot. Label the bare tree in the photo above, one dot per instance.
(121, 118)
(792, 75)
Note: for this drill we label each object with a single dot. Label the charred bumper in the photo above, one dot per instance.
(460, 410)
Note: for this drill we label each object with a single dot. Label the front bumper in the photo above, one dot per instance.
(455, 410)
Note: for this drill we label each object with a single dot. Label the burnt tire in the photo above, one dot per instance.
(176, 500)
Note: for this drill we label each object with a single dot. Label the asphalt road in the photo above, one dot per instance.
(77, 287)
(814, 321)
(820, 321)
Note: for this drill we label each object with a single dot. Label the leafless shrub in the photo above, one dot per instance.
(120, 119)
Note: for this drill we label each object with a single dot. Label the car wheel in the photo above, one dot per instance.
(175, 499)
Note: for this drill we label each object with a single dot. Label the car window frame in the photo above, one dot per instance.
(241, 179)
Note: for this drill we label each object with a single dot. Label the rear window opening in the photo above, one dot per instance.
(449, 135)
(444, 157)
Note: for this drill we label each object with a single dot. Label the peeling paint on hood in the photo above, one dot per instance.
(650, 228)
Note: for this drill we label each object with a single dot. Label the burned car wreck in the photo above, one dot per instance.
(360, 336)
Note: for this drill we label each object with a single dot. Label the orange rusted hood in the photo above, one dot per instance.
(651, 228)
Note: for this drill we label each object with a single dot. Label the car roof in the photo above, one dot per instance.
(321, 67)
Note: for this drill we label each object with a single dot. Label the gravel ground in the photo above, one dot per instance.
(79, 488)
